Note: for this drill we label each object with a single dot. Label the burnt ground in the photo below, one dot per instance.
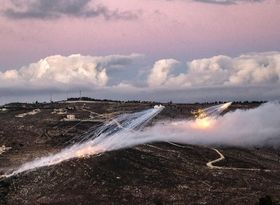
(158, 173)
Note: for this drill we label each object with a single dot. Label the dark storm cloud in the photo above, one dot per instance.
(54, 9)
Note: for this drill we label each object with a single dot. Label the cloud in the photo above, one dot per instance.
(64, 72)
(253, 76)
(253, 69)
(54, 9)
(227, 2)
(160, 72)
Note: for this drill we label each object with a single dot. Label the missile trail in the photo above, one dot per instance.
(110, 136)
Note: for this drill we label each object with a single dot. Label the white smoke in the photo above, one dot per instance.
(244, 128)
(253, 127)
(111, 136)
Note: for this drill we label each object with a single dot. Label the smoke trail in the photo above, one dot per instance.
(253, 127)
(213, 111)
(244, 128)
(112, 135)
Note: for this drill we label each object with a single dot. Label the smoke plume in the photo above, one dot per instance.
(244, 128)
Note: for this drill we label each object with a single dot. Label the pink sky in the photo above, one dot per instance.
(178, 29)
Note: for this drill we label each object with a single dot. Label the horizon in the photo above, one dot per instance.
(88, 99)
(184, 51)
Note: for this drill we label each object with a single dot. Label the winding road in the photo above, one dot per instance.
(222, 157)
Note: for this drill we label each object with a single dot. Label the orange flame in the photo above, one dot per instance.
(89, 150)
(203, 123)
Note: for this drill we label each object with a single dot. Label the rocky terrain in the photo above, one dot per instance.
(157, 173)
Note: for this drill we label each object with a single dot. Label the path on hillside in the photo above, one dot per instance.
(222, 157)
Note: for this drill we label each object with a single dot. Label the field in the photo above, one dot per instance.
(156, 173)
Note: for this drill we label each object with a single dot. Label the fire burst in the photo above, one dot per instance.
(117, 134)
(111, 136)
(205, 118)
(203, 123)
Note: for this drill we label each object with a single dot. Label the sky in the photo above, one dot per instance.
(178, 50)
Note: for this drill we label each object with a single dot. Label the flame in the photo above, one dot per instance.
(205, 118)
(225, 106)
(89, 150)
(203, 123)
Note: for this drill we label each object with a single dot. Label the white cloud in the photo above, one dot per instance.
(9, 75)
(259, 68)
(253, 69)
(160, 72)
(60, 71)
(254, 76)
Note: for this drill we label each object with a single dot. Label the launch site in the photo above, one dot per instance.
(158, 171)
